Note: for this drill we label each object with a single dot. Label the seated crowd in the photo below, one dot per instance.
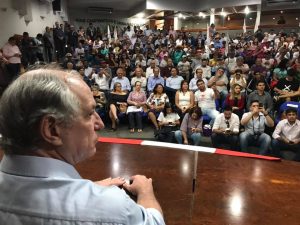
(241, 91)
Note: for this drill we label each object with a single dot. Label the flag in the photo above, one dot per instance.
(115, 33)
(227, 44)
(257, 21)
(108, 34)
(207, 36)
(244, 26)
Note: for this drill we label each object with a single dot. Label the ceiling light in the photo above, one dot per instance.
(247, 10)
(201, 14)
(296, 18)
(281, 11)
(273, 18)
(140, 15)
(180, 15)
(250, 18)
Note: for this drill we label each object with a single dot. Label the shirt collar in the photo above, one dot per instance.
(33, 166)
(297, 123)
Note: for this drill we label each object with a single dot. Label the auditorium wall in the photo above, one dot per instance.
(17, 16)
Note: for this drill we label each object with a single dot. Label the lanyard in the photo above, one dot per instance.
(258, 123)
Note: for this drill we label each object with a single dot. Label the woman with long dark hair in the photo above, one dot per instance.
(191, 127)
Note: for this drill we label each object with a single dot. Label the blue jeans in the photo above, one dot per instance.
(212, 113)
(263, 141)
(196, 137)
(286, 151)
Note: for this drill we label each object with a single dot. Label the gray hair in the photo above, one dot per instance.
(27, 100)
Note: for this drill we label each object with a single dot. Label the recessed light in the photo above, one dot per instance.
(296, 18)
(273, 18)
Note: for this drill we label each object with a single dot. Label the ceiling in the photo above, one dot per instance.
(157, 9)
(116, 5)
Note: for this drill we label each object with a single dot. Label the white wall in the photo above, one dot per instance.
(11, 22)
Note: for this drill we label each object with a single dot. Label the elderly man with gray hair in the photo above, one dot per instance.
(48, 124)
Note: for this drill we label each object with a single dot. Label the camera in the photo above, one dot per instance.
(256, 135)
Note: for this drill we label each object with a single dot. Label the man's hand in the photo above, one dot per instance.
(118, 181)
(141, 185)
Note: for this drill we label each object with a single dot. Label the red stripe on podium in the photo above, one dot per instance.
(243, 154)
(120, 140)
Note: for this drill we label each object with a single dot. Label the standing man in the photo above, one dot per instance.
(13, 54)
(286, 142)
(55, 130)
(254, 123)
(59, 40)
(226, 129)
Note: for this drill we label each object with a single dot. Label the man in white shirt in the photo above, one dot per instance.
(102, 79)
(149, 70)
(205, 98)
(254, 123)
(226, 129)
(121, 79)
(138, 76)
(205, 68)
(184, 68)
(220, 80)
(198, 76)
(37, 172)
(286, 142)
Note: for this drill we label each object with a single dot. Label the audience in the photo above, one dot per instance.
(258, 70)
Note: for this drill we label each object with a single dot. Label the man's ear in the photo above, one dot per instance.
(51, 131)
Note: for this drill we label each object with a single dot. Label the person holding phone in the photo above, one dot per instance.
(226, 129)
(254, 123)
(286, 142)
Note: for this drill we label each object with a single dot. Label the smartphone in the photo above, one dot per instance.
(260, 105)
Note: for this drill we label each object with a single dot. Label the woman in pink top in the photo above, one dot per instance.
(136, 100)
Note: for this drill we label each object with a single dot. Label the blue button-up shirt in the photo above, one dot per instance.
(36, 190)
(152, 81)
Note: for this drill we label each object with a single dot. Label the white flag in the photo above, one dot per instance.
(244, 26)
(115, 33)
(207, 36)
(227, 44)
(257, 21)
(108, 34)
